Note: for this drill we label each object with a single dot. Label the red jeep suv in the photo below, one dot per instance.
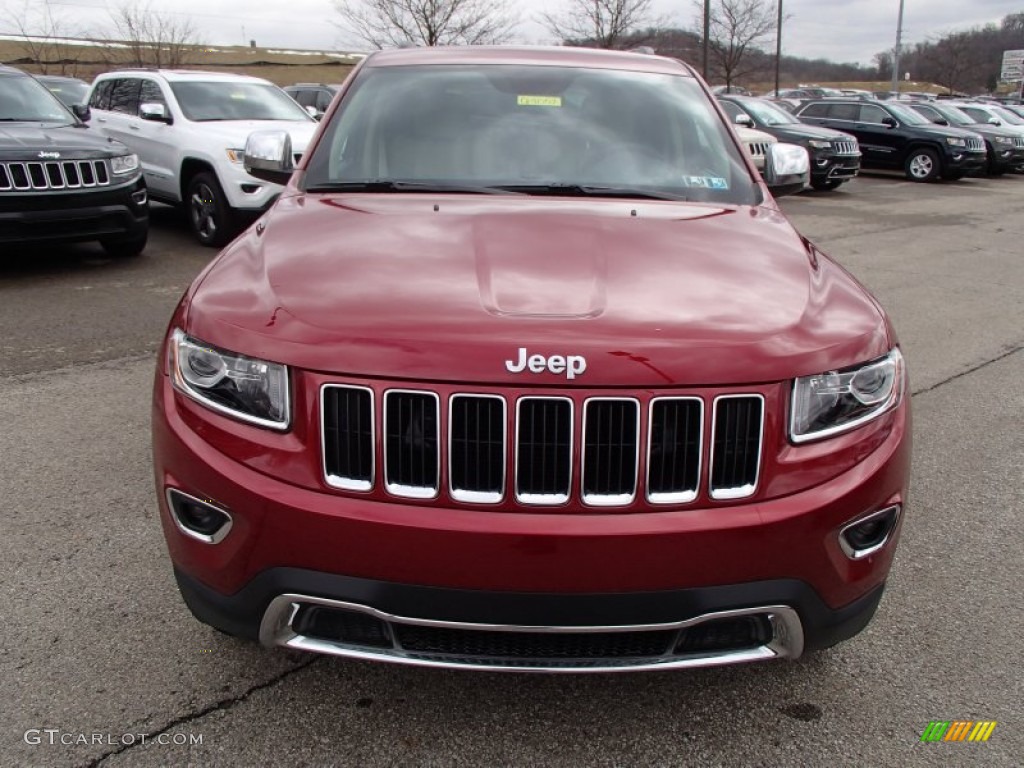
(526, 370)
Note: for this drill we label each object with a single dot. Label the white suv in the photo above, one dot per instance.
(189, 130)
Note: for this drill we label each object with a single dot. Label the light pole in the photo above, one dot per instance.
(778, 49)
(707, 32)
(896, 54)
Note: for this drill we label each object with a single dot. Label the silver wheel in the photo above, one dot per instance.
(204, 212)
(923, 165)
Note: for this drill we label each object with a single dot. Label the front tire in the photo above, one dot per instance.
(125, 249)
(209, 214)
(923, 165)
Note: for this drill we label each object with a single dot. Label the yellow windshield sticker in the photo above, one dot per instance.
(238, 96)
(539, 101)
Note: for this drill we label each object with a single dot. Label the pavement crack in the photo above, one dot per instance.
(224, 704)
(968, 372)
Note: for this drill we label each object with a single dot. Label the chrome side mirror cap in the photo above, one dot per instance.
(268, 156)
(787, 169)
(155, 112)
(744, 119)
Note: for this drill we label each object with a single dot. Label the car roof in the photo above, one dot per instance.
(5, 70)
(185, 75)
(529, 55)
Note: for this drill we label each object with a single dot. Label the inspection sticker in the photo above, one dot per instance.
(539, 101)
(706, 182)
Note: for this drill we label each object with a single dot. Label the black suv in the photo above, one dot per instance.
(60, 182)
(893, 135)
(835, 156)
(315, 97)
(1005, 147)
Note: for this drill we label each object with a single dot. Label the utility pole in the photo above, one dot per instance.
(896, 54)
(707, 33)
(778, 49)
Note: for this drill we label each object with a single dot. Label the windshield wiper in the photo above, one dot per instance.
(588, 190)
(394, 185)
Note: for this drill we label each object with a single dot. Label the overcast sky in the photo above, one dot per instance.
(840, 30)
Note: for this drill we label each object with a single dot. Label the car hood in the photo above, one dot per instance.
(801, 131)
(21, 138)
(450, 288)
(942, 131)
(233, 133)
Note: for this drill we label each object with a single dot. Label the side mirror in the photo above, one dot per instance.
(82, 112)
(787, 169)
(941, 121)
(155, 112)
(744, 119)
(268, 156)
(312, 111)
(994, 121)
(889, 122)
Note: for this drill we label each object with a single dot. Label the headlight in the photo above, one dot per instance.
(124, 163)
(1002, 140)
(953, 142)
(818, 144)
(834, 402)
(248, 389)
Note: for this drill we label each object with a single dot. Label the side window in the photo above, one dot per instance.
(150, 93)
(100, 98)
(927, 112)
(815, 110)
(124, 96)
(306, 98)
(731, 109)
(976, 114)
(323, 100)
(849, 112)
(872, 114)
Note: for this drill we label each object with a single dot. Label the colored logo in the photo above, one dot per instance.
(958, 730)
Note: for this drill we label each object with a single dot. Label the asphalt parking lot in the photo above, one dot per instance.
(98, 648)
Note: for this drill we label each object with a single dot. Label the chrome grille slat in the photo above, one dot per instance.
(480, 435)
(544, 428)
(676, 434)
(846, 147)
(611, 442)
(348, 437)
(975, 145)
(736, 444)
(53, 175)
(477, 448)
(412, 460)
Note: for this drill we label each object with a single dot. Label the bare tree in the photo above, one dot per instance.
(738, 27)
(950, 60)
(44, 38)
(154, 38)
(600, 23)
(396, 23)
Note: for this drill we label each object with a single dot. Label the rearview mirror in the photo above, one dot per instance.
(268, 156)
(787, 169)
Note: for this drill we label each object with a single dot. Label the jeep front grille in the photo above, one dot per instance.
(629, 448)
(53, 175)
(845, 147)
(758, 148)
(975, 145)
(1018, 142)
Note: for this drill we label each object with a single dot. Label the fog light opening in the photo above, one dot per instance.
(869, 534)
(140, 197)
(737, 633)
(198, 518)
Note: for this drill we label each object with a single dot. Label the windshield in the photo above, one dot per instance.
(907, 115)
(226, 100)
(532, 129)
(954, 116)
(768, 114)
(1007, 116)
(68, 91)
(24, 100)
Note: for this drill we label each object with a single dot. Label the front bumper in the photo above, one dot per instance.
(963, 160)
(515, 572)
(828, 166)
(118, 213)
